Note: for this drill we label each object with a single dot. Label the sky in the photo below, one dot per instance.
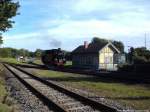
(47, 24)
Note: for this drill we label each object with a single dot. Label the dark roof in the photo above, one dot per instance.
(92, 48)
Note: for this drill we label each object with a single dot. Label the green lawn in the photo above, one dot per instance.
(14, 61)
(10, 60)
(134, 95)
(38, 61)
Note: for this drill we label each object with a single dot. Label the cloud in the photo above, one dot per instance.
(32, 41)
(60, 23)
(20, 36)
(113, 9)
(88, 6)
(88, 28)
(70, 33)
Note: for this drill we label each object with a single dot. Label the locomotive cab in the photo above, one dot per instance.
(54, 57)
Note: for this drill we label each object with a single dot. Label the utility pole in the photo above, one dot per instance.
(145, 41)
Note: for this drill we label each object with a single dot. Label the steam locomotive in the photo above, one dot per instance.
(54, 57)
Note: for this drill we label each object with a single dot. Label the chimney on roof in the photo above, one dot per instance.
(86, 44)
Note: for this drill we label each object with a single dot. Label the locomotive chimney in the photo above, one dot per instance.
(86, 44)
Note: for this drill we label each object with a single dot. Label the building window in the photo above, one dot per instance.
(108, 60)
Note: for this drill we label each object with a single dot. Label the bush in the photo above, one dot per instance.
(138, 68)
(140, 60)
(126, 68)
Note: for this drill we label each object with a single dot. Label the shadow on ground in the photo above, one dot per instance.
(98, 79)
(111, 77)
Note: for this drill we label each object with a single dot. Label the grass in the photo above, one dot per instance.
(2, 85)
(38, 61)
(10, 60)
(14, 61)
(68, 63)
(134, 95)
(4, 107)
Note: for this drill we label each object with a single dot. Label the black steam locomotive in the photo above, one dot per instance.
(54, 57)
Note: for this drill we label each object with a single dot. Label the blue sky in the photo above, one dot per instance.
(47, 24)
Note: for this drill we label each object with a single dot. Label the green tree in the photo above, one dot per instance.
(5, 52)
(12, 52)
(99, 40)
(38, 53)
(23, 52)
(139, 55)
(131, 55)
(8, 9)
(142, 53)
(118, 44)
(1, 41)
(31, 54)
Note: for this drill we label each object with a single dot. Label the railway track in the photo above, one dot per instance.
(55, 97)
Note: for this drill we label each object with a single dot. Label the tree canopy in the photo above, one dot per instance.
(1, 41)
(118, 44)
(99, 40)
(8, 9)
(139, 55)
(12, 52)
(38, 53)
(143, 54)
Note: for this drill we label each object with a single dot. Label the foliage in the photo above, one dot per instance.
(11, 52)
(8, 9)
(38, 53)
(139, 55)
(5, 52)
(23, 52)
(143, 53)
(99, 40)
(131, 55)
(1, 41)
(4, 98)
(126, 68)
(118, 44)
(139, 60)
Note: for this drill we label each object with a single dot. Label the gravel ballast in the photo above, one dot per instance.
(26, 101)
